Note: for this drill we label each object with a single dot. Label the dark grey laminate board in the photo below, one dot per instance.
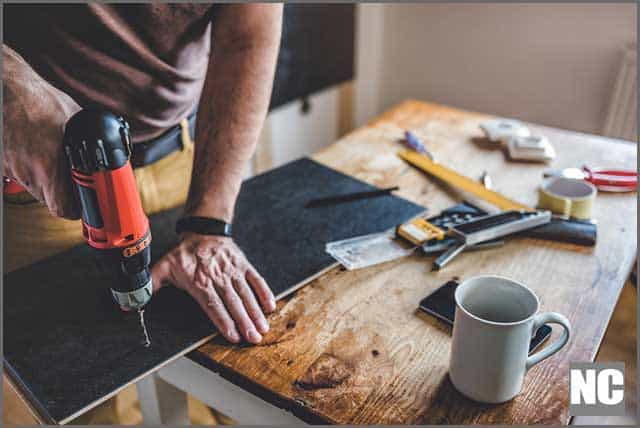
(68, 346)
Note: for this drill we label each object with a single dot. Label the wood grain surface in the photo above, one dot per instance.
(15, 409)
(351, 348)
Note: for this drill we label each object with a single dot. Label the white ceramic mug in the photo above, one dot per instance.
(495, 320)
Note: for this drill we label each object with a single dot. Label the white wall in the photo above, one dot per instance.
(289, 134)
(553, 64)
(295, 134)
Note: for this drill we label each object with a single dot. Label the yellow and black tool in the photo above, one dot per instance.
(458, 180)
(420, 231)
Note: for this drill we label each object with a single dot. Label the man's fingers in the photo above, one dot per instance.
(262, 290)
(60, 204)
(29, 184)
(53, 187)
(251, 304)
(66, 199)
(161, 274)
(218, 314)
(8, 171)
(36, 192)
(216, 275)
(59, 192)
(236, 309)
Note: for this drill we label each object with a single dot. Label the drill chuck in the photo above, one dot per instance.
(134, 299)
(98, 147)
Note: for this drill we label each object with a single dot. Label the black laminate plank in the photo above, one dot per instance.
(68, 346)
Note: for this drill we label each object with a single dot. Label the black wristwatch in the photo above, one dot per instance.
(203, 226)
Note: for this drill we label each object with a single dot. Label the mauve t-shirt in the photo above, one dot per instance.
(144, 61)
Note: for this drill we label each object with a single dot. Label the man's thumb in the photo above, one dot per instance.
(160, 274)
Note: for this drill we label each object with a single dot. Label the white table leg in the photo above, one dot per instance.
(161, 403)
(224, 396)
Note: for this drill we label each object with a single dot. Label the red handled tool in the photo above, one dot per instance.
(10, 187)
(98, 147)
(605, 179)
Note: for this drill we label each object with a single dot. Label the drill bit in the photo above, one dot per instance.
(147, 341)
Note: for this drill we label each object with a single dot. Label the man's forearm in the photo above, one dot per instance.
(35, 113)
(234, 102)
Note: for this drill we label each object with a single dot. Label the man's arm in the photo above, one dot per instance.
(35, 114)
(234, 103)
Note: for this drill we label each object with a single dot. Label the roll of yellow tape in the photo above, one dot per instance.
(568, 197)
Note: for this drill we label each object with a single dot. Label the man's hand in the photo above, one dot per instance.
(233, 105)
(35, 114)
(214, 271)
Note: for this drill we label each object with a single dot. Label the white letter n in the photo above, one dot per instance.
(581, 387)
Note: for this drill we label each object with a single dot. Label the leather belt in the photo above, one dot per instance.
(148, 152)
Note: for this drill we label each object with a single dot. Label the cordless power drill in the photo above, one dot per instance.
(98, 147)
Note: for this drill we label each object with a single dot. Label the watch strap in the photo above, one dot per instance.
(204, 226)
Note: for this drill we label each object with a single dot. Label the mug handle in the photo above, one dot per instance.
(547, 351)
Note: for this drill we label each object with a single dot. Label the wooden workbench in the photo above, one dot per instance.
(350, 346)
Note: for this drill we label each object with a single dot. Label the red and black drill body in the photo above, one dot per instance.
(98, 147)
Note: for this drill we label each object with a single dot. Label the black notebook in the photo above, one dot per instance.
(68, 346)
